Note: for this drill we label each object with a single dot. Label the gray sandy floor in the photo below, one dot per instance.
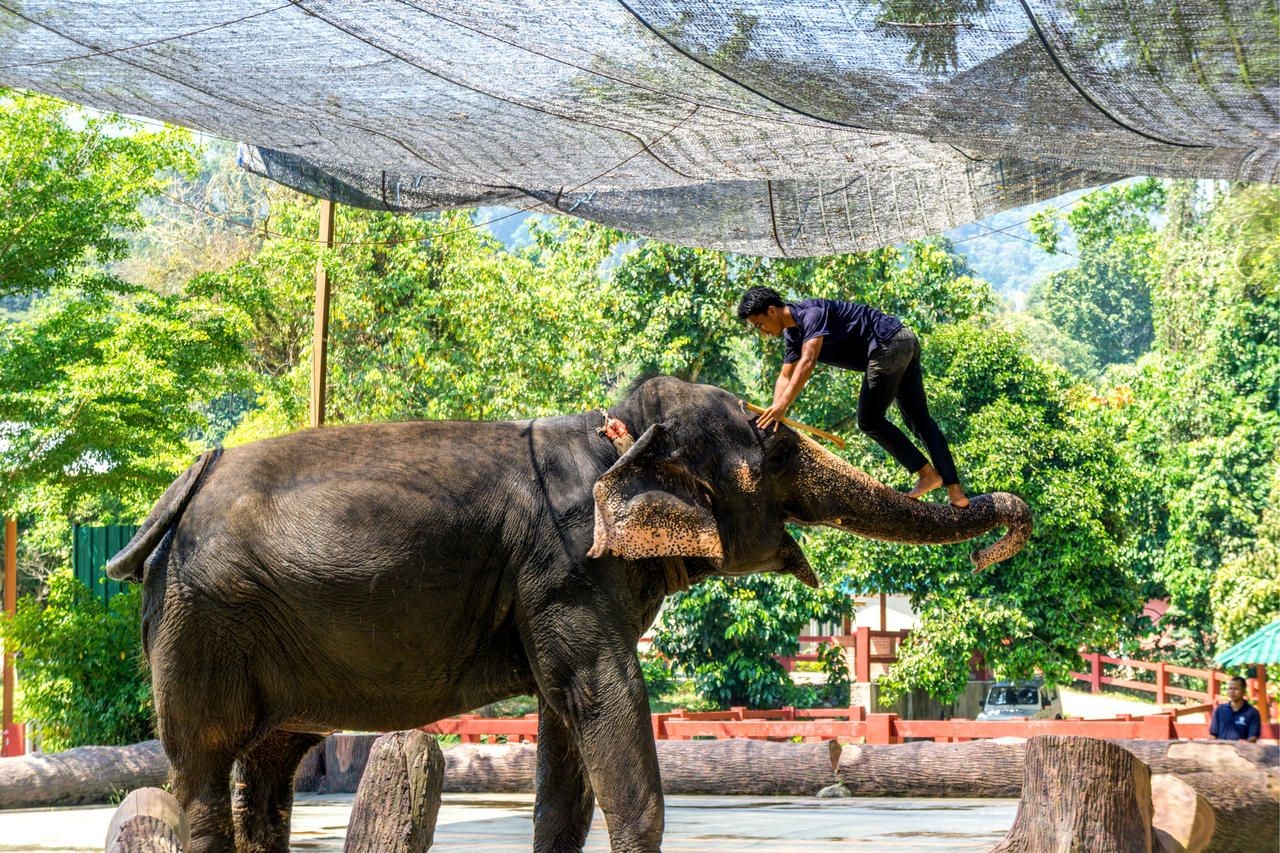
(500, 823)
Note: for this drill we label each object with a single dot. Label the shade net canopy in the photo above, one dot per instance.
(771, 128)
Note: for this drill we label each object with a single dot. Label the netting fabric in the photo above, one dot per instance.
(772, 128)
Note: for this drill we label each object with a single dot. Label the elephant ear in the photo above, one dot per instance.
(650, 504)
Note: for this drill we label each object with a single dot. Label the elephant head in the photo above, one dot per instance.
(703, 481)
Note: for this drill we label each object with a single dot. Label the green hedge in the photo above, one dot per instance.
(81, 674)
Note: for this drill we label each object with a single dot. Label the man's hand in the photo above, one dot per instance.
(772, 415)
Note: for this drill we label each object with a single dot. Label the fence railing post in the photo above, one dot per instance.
(1162, 684)
(1095, 673)
(862, 655)
(880, 728)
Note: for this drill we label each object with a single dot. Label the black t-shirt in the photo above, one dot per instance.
(852, 331)
(1235, 725)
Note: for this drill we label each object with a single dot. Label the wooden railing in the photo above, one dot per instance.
(1159, 686)
(849, 725)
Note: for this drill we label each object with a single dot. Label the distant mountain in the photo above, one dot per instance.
(1002, 251)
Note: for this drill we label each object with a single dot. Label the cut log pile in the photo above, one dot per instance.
(1198, 796)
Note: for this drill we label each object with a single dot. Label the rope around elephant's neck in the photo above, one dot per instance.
(616, 431)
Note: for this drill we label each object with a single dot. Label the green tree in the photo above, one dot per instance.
(1204, 425)
(725, 633)
(1245, 595)
(1104, 302)
(72, 185)
(102, 383)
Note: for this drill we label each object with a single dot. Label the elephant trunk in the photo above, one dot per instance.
(830, 491)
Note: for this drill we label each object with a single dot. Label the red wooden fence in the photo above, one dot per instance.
(1214, 681)
(844, 724)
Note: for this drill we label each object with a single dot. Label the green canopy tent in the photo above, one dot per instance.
(1260, 648)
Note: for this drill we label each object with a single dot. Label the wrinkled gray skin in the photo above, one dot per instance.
(381, 577)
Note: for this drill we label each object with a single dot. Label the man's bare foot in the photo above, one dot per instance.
(955, 494)
(928, 480)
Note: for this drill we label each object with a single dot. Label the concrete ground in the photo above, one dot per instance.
(502, 823)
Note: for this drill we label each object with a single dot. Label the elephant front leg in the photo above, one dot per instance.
(601, 696)
(564, 803)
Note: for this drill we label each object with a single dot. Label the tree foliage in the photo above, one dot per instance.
(1105, 301)
(1134, 407)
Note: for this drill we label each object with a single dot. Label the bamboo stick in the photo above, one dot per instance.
(831, 437)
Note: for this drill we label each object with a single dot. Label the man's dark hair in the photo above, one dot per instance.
(1244, 685)
(758, 300)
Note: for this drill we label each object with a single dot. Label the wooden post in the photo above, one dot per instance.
(884, 611)
(862, 655)
(1264, 704)
(320, 334)
(1162, 684)
(10, 733)
(1212, 688)
(1095, 673)
(399, 796)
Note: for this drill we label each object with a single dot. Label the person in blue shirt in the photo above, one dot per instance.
(887, 353)
(1236, 719)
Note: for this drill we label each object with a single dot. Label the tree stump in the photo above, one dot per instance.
(399, 797)
(1182, 821)
(148, 821)
(86, 774)
(1081, 794)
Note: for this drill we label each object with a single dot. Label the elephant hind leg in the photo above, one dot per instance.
(262, 799)
(564, 803)
(201, 769)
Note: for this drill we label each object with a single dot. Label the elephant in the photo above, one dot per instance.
(383, 576)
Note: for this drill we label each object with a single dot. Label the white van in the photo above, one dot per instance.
(1021, 700)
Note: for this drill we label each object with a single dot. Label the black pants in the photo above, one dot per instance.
(893, 374)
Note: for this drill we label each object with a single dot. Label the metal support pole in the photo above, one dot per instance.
(11, 734)
(320, 335)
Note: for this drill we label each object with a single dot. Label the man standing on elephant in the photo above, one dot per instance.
(887, 353)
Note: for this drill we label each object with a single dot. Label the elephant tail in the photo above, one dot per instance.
(129, 563)
(1015, 516)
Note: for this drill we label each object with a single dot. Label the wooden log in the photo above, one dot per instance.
(1079, 793)
(1180, 756)
(923, 769)
(345, 757)
(741, 766)
(399, 797)
(1182, 821)
(505, 768)
(148, 821)
(1246, 808)
(735, 766)
(86, 774)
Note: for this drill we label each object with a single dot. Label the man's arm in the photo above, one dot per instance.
(791, 382)
(1255, 726)
(1213, 722)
